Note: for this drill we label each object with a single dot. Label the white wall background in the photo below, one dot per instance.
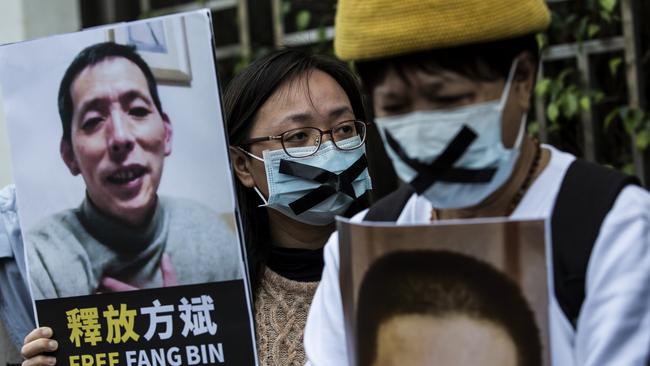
(24, 19)
(30, 73)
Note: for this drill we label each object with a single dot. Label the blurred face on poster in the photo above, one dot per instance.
(437, 307)
(119, 139)
(417, 339)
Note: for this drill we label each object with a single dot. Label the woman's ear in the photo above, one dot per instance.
(241, 164)
(524, 81)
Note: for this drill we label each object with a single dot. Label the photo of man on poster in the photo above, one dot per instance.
(124, 235)
(421, 305)
(413, 294)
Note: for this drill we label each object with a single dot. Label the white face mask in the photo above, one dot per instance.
(423, 136)
(321, 202)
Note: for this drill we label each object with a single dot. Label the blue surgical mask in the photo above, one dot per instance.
(424, 135)
(285, 189)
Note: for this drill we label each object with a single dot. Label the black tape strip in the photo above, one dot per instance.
(305, 171)
(421, 168)
(441, 169)
(350, 174)
(311, 199)
(331, 183)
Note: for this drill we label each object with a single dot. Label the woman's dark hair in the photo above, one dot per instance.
(244, 96)
(488, 61)
(440, 284)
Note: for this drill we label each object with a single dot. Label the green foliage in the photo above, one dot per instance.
(543, 87)
(241, 64)
(566, 95)
(614, 65)
(286, 8)
(302, 20)
(636, 123)
(588, 20)
(593, 30)
(553, 112)
(542, 41)
(607, 5)
(585, 103)
(322, 34)
(533, 129)
(565, 98)
(628, 169)
(643, 138)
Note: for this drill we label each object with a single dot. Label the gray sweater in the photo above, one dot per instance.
(69, 252)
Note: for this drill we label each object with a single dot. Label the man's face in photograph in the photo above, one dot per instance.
(417, 339)
(437, 307)
(119, 139)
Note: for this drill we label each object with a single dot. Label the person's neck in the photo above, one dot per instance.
(116, 233)
(138, 219)
(288, 233)
(499, 203)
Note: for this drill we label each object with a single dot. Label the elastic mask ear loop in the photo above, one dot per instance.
(508, 86)
(266, 203)
(250, 154)
(255, 187)
(522, 124)
(504, 99)
(521, 133)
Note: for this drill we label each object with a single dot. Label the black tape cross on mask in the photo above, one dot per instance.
(331, 183)
(442, 169)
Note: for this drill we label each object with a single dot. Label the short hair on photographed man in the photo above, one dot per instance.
(442, 285)
(123, 235)
(93, 55)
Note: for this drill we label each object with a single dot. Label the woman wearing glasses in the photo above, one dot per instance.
(296, 129)
(296, 132)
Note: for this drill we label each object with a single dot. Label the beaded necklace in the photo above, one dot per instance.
(528, 181)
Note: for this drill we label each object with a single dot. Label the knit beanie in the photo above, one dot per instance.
(371, 29)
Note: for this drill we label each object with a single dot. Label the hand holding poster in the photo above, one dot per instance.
(457, 293)
(124, 184)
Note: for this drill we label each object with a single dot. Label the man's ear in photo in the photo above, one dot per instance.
(169, 132)
(67, 154)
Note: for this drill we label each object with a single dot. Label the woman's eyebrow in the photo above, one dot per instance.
(308, 117)
(300, 117)
(339, 111)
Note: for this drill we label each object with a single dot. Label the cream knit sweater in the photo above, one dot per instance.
(281, 308)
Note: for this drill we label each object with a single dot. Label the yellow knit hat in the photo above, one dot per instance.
(369, 29)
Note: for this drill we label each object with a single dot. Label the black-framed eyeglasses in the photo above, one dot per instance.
(305, 141)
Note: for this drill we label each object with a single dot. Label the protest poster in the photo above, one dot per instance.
(454, 292)
(126, 196)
